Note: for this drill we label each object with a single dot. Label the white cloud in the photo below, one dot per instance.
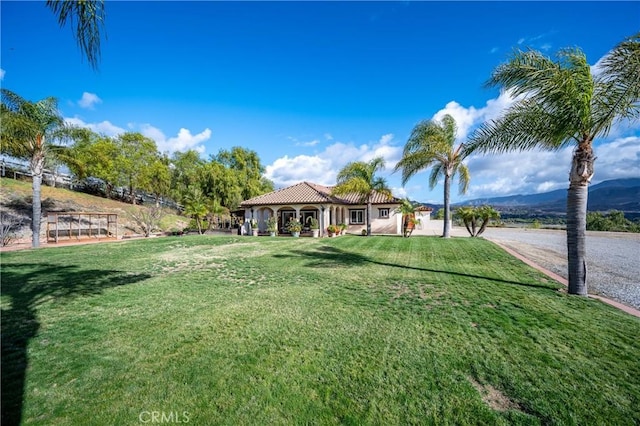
(521, 172)
(2, 72)
(297, 142)
(89, 100)
(105, 127)
(323, 167)
(184, 141)
(328, 136)
(287, 171)
(529, 172)
(618, 159)
(469, 118)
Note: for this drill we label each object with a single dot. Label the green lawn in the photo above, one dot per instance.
(349, 330)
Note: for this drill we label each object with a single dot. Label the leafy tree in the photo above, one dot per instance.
(249, 171)
(137, 156)
(28, 131)
(562, 103)
(432, 145)
(439, 214)
(613, 221)
(95, 156)
(476, 219)
(159, 177)
(360, 178)
(88, 17)
(186, 170)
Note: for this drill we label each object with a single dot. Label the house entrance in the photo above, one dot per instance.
(305, 216)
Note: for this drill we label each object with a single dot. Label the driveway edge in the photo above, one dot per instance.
(629, 310)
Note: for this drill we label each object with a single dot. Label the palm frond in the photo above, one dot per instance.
(525, 126)
(88, 18)
(617, 92)
(436, 171)
(464, 177)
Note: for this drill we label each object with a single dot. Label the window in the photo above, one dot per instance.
(383, 213)
(357, 216)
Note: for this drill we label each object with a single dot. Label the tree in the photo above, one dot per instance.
(476, 219)
(159, 177)
(248, 177)
(185, 172)
(88, 16)
(431, 145)
(408, 211)
(196, 206)
(360, 178)
(135, 162)
(94, 155)
(561, 103)
(28, 131)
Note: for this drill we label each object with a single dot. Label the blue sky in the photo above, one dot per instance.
(311, 86)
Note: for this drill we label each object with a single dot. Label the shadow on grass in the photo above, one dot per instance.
(27, 286)
(328, 256)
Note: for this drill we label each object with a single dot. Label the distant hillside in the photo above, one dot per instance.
(618, 194)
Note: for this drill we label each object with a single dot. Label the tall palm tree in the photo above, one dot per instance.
(88, 17)
(359, 177)
(563, 103)
(28, 131)
(432, 145)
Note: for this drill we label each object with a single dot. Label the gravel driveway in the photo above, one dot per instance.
(613, 258)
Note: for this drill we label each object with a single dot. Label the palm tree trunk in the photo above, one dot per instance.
(37, 167)
(581, 172)
(447, 210)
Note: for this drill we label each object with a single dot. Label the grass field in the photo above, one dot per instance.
(349, 330)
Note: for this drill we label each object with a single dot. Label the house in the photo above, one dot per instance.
(306, 200)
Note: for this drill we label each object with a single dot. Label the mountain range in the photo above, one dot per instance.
(617, 194)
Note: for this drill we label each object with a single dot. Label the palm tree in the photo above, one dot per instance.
(88, 16)
(28, 131)
(563, 103)
(195, 206)
(470, 216)
(359, 177)
(432, 145)
(408, 211)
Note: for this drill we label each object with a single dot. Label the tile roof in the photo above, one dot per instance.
(311, 193)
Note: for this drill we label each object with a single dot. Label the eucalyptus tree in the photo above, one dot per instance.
(88, 18)
(32, 131)
(359, 177)
(432, 145)
(560, 103)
